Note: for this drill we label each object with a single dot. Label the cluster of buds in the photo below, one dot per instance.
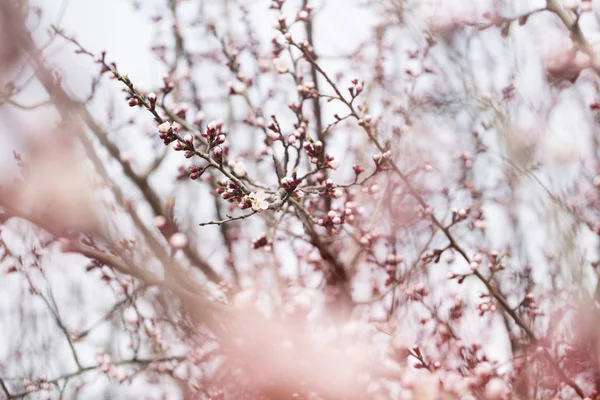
(495, 264)
(332, 191)
(487, 306)
(39, 384)
(305, 46)
(475, 262)
(351, 211)
(365, 121)
(229, 191)
(304, 14)
(331, 162)
(168, 132)
(282, 26)
(313, 149)
(333, 219)
(356, 88)
(306, 91)
(261, 241)
(214, 133)
(274, 131)
(195, 172)
(357, 169)
(298, 134)
(368, 240)
(186, 145)
(381, 158)
(289, 183)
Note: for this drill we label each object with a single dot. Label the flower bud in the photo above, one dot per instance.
(178, 241)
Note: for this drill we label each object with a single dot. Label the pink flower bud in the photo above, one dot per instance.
(302, 16)
(160, 221)
(178, 241)
(165, 127)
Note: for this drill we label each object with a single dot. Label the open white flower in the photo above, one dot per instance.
(259, 201)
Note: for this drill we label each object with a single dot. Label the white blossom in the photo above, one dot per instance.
(259, 201)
